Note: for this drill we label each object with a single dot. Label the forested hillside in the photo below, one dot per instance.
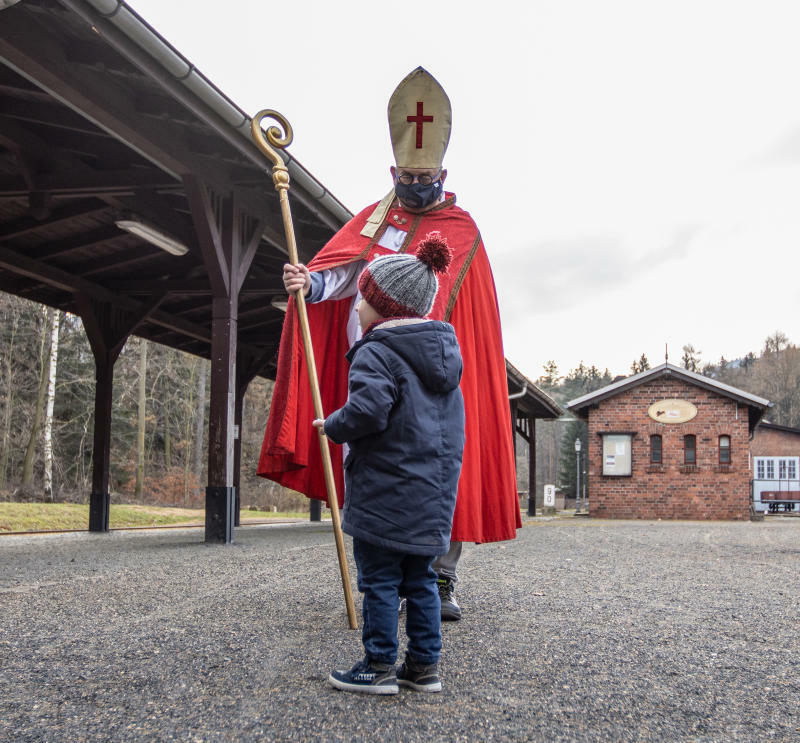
(773, 372)
(160, 418)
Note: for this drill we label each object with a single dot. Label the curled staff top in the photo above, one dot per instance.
(273, 138)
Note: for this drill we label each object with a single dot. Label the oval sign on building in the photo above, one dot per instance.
(672, 411)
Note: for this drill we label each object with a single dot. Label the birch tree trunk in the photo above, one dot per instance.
(142, 411)
(200, 421)
(48, 418)
(187, 432)
(38, 413)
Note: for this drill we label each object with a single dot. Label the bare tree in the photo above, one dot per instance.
(200, 420)
(775, 343)
(41, 397)
(142, 418)
(777, 377)
(51, 399)
(9, 394)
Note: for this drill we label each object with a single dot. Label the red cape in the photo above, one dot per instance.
(487, 509)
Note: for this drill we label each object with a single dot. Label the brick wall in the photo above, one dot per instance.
(671, 490)
(769, 442)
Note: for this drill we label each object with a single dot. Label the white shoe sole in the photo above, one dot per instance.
(420, 687)
(361, 688)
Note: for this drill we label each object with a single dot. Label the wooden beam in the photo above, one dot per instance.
(58, 248)
(252, 229)
(132, 256)
(19, 139)
(66, 182)
(48, 112)
(267, 288)
(21, 265)
(206, 206)
(35, 51)
(251, 308)
(276, 321)
(80, 209)
(171, 286)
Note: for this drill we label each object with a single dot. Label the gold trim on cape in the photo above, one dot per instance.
(451, 301)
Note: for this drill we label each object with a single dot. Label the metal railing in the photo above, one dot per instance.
(774, 495)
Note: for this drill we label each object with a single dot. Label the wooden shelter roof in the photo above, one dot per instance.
(100, 120)
(531, 402)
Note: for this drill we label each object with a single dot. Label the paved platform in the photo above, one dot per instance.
(578, 630)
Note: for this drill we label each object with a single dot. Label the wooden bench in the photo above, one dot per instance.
(777, 498)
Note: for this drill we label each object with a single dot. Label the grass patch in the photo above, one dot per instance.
(58, 516)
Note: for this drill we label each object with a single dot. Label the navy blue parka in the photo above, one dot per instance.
(404, 423)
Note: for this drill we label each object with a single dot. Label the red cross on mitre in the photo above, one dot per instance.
(419, 120)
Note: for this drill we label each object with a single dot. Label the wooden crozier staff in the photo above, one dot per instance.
(269, 142)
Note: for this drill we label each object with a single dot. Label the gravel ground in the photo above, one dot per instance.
(578, 630)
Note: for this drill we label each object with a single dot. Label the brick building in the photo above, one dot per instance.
(775, 452)
(669, 443)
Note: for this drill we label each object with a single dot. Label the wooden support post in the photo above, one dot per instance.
(107, 328)
(532, 467)
(228, 239)
(513, 405)
(100, 498)
(220, 495)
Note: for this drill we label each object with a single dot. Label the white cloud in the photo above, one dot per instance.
(633, 166)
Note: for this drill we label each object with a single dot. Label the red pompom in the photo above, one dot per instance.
(434, 251)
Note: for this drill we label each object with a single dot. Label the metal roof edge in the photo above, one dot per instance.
(667, 369)
(778, 427)
(535, 390)
(182, 72)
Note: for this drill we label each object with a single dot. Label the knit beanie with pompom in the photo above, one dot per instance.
(405, 285)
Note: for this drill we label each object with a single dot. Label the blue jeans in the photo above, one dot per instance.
(384, 576)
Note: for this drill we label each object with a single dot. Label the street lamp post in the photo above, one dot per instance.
(577, 475)
(584, 502)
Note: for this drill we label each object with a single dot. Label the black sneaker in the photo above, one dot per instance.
(451, 611)
(419, 678)
(367, 678)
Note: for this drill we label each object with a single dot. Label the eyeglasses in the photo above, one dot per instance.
(424, 180)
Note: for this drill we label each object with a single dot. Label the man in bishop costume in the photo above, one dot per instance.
(487, 507)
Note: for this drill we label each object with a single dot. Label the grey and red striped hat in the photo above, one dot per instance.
(405, 285)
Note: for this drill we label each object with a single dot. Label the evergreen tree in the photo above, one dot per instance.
(568, 461)
(640, 365)
(691, 358)
(550, 380)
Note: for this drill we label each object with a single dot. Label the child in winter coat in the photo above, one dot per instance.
(404, 424)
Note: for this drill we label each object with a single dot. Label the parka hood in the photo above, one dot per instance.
(429, 347)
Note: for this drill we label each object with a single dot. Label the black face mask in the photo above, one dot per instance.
(418, 196)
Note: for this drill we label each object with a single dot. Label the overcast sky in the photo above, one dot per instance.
(633, 165)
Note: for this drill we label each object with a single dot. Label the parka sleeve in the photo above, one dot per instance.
(372, 393)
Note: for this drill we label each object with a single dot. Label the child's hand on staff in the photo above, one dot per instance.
(319, 423)
(296, 278)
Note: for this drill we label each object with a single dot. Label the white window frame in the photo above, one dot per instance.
(776, 468)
